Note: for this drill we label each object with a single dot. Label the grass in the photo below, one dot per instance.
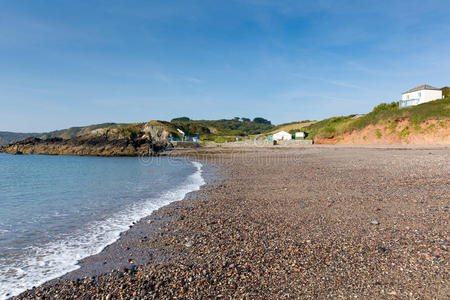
(292, 126)
(131, 132)
(389, 114)
(404, 133)
(378, 133)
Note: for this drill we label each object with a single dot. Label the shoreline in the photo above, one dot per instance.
(238, 237)
(109, 258)
(116, 256)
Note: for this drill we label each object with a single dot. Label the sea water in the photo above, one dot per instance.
(55, 210)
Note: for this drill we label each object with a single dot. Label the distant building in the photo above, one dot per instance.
(419, 95)
(282, 135)
(300, 135)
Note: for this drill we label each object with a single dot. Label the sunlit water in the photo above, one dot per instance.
(55, 210)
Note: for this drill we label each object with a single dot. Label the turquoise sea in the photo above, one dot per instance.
(55, 210)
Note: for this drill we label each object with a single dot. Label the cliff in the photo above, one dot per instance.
(403, 131)
(135, 140)
(427, 123)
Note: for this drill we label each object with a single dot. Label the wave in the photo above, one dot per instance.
(50, 261)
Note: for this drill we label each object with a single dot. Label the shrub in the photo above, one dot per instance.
(378, 133)
(261, 121)
(130, 132)
(405, 132)
(181, 119)
(220, 139)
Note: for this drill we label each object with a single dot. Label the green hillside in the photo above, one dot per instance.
(7, 137)
(76, 131)
(291, 127)
(383, 113)
(224, 129)
(216, 130)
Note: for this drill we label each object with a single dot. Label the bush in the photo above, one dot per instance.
(181, 119)
(378, 133)
(261, 121)
(130, 132)
(220, 140)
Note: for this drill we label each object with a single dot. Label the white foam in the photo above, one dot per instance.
(60, 257)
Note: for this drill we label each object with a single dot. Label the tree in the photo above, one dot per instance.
(181, 119)
(261, 121)
(446, 91)
(245, 119)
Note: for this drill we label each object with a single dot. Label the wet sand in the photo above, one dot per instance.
(287, 223)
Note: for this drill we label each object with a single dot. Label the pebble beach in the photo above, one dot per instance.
(286, 223)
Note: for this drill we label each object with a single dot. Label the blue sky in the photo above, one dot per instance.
(71, 63)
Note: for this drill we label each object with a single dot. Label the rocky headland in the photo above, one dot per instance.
(139, 140)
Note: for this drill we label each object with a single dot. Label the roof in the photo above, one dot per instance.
(282, 132)
(422, 87)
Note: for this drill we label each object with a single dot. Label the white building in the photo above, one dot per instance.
(282, 135)
(300, 135)
(419, 95)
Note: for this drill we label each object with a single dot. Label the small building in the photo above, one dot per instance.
(282, 135)
(419, 95)
(300, 135)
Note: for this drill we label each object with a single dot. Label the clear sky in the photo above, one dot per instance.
(71, 63)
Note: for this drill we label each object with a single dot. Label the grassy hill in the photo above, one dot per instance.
(7, 137)
(384, 114)
(214, 130)
(223, 130)
(77, 131)
(291, 127)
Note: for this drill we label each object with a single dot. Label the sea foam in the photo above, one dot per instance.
(57, 258)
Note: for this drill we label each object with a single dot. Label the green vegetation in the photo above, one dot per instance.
(261, 121)
(77, 131)
(446, 92)
(130, 131)
(181, 119)
(209, 130)
(378, 133)
(291, 127)
(404, 133)
(226, 128)
(390, 114)
(7, 137)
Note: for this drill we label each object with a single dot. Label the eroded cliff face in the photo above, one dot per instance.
(146, 140)
(396, 132)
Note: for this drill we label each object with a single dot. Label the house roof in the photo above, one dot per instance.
(422, 87)
(282, 132)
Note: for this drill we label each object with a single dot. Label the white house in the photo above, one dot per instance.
(282, 135)
(420, 94)
(300, 135)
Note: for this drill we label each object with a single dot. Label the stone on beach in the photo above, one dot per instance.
(265, 230)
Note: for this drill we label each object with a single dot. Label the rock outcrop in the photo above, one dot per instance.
(146, 140)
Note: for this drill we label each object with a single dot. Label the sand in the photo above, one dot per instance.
(287, 223)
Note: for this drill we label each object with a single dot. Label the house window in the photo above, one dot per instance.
(420, 94)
